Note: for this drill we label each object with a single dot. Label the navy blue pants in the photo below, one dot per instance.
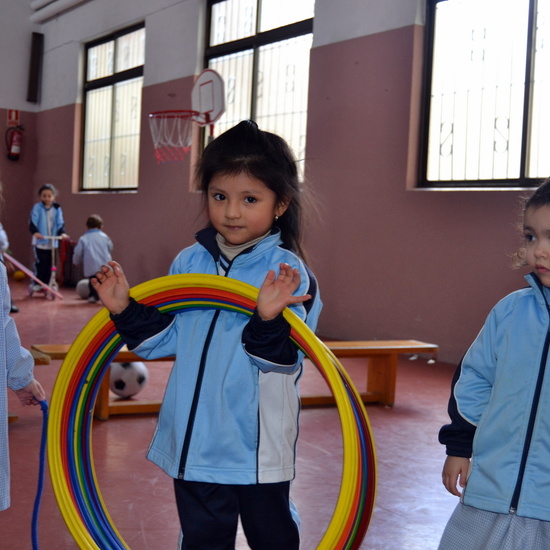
(209, 515)
(43, 264)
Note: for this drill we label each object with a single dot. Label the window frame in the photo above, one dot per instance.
(254, 43)
(522, 181)
(103, 82)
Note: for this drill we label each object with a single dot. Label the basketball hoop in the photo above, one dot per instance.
(172, 134)
(172, 131)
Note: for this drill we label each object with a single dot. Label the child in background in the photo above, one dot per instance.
(498, 440)
(16, 373)
(228, 426)
(46, 220)
(92, 251)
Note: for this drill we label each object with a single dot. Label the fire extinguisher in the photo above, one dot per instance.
(14, 140)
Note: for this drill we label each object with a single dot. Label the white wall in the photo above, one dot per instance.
(15, 45)
(174, 33)
(172, 42)
(338, 20)
(174, 38)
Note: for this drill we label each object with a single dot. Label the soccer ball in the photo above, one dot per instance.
(82, 288)
(128, 379)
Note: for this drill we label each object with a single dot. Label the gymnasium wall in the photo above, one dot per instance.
(148, 227)
(392, 261)
(15, 43)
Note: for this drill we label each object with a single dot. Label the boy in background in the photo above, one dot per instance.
(93, 250)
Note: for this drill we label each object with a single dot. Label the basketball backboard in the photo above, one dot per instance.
(208, 97)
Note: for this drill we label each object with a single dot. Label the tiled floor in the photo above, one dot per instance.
(411, 507)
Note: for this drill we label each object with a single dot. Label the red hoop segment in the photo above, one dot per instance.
(172, 133)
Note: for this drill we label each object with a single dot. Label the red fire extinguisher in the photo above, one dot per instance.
(14, 140)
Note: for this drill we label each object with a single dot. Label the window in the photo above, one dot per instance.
(487, 119)
(112, 107)
(261, 50)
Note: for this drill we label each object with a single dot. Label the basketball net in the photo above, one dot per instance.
(172, 133)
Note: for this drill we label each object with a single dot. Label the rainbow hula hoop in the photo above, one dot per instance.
(71, 414)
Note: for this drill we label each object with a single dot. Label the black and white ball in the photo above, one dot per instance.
(128, 379)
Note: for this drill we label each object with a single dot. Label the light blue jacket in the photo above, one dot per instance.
(16, 372)
(504, 391)
(38, 223)
(92, 251)
(228, 416)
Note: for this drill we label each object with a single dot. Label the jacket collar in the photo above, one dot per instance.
(541, 292)
(207, 238)
(43, 206)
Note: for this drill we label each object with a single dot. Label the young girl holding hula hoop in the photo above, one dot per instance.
(228, 425)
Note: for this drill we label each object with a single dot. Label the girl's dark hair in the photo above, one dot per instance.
(266, 157)
(47, 187)
(541, 197)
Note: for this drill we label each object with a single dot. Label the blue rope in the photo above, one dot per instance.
(44, 407)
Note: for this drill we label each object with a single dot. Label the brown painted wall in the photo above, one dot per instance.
(16, 177)
(394, 263)
(148, 228)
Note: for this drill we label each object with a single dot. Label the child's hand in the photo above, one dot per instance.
(455, 470)
(31, 394)
(276, 292)
(112, 287)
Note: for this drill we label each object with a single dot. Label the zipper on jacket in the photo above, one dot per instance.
(196, 395)
(198, 386)
(532, 418)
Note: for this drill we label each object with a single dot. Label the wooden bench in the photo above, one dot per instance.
(39, 357)
(381, 364)
(104, 405)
